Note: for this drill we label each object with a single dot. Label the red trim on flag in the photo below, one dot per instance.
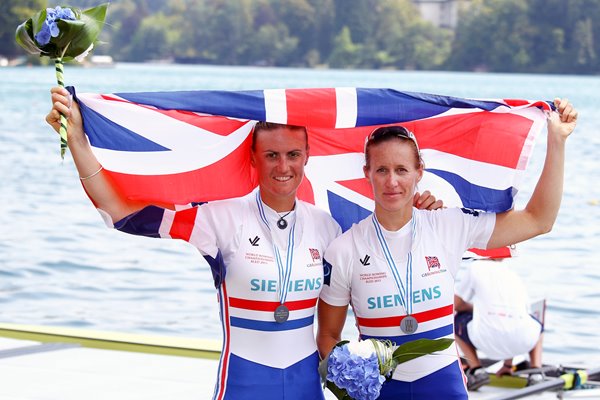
(113, 98)
(183, 224)
(502, 252)
(518, 102)
(311, 107)
(305, 191)
(256, 305)
(395, 321)
(215, 124)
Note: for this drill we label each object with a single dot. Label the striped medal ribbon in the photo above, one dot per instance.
(282, 312)
(408, 324)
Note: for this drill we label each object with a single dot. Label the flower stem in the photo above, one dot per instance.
(63, 120)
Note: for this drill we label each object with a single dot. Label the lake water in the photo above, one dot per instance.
(60, 266)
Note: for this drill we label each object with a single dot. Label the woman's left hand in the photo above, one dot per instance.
(563, 121)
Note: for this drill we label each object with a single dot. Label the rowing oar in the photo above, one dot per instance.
(566, 381)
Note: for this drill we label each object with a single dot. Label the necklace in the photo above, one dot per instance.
(281, 222)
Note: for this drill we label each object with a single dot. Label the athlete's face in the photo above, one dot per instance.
(393, 174)
(279, 157)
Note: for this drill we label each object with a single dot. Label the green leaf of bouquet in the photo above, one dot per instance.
(340, 394)
(24, 37)
(37, 21)
(420, 347)
(70, 31)
(93, 22)
(323, 368)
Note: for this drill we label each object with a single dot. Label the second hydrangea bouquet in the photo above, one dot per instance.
(356, 370)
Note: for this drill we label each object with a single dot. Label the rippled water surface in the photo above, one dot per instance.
(60, 266)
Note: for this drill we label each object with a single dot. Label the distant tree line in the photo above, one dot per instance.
(541, 36)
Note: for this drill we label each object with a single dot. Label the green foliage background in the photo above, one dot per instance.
(538, 36)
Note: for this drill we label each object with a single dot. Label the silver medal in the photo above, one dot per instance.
(409, 324)
(281, 314)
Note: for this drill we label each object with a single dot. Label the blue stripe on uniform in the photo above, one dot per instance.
(432, 334)
(271, 326)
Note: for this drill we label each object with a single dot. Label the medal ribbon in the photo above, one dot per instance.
(285, 274)
(405, 291)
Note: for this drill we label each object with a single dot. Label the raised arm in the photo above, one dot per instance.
(331, 322)
(540, 213)
(95, 182)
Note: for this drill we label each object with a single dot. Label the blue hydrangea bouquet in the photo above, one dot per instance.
(62, 34)
(356, 370)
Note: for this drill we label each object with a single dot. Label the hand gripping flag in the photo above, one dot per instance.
(186, 147)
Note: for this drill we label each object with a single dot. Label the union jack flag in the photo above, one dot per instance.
(314, 253)
(186, 147)
(432, 262)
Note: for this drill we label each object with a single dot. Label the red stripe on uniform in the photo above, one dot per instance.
(311, 107)
(256, 305)
(395, 321)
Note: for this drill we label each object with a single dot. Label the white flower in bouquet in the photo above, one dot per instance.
(364, 349)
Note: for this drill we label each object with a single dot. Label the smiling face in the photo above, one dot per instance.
(279, 156)
(393, 171)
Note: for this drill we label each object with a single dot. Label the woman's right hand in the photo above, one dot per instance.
(62, 103)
